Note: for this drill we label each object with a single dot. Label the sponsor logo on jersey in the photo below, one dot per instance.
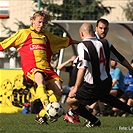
(37, 47)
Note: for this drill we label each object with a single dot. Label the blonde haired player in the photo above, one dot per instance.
(36, 46)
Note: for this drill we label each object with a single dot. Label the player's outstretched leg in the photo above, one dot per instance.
(92, 121)
(42, 95)
(114, 102)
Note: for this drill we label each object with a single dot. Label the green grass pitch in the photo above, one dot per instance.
(20, 123)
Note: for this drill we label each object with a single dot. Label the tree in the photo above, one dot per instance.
(75, 9)
(128, 10)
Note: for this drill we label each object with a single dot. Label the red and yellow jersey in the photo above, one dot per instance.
(35, 48)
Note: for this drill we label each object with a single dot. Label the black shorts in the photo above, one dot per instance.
(127, 95)
(119, 93)
(88, 94)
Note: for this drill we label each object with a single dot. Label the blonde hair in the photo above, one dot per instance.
(41, 13)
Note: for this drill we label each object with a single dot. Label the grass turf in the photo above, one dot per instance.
(20, 123)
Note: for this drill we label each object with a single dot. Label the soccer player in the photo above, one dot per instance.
(36, 46)
(101, 30)
(93, 81)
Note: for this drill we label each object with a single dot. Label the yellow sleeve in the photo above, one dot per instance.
(57, 42)
(16, 41)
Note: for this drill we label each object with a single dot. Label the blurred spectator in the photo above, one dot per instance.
(117, 79)
(72, 73)
(127, 96)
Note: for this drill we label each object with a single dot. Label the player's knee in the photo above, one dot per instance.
(58, 92)
(68, 101)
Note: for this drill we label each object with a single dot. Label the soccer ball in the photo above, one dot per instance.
(54, 110)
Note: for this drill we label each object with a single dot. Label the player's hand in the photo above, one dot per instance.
(72, 92)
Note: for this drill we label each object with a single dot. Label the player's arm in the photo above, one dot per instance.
(82, 64)
(79, 80)
(80, 77)
(128, 66)
(75, 42)
(121, 59)
(57, 42)
(12, 41)
(62, 66)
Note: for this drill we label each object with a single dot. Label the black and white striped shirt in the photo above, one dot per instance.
(84, 59)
